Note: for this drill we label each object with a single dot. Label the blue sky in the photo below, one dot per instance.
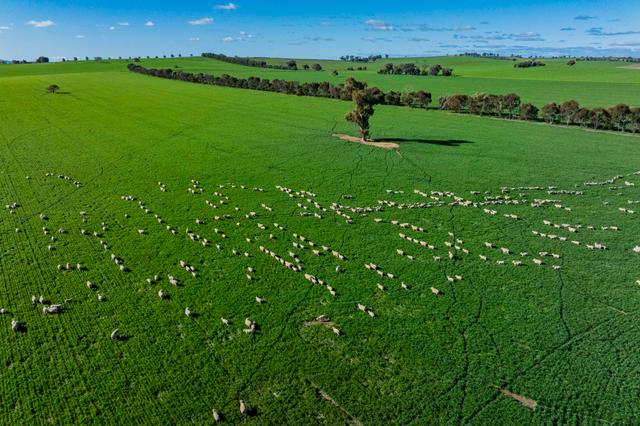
(324, 29)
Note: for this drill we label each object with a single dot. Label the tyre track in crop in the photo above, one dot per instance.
(574, 339)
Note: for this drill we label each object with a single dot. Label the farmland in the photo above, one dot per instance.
(549, 319)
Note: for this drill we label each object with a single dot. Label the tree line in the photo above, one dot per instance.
(418, 99)
(290, 65)
(413, 69)
(620, 117)
(529, 64)
(370, 58)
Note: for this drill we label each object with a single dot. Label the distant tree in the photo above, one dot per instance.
(571, 63)
(317, 67)
(42, 60)
(435, 69)
(620, 116)
(292, 65)
(455, 103)
(386, 69)
(635, 120)
(53, 89)
(419, 99)
(334, 73)
(528, 112)
(392, 98)
(509, 102)
(567, 111)
(75, 58)
(601, 118)
(364, 98)
(584, 117)
(447, 72)
(306, 67)
(86, 58)
(550, 112)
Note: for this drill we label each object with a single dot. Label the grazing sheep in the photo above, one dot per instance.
(53, 309)
(243, 408)
(90, 285)
(224, 321)
(161, 294)
(505, 250)
(259, 300)
(115, 335)
(187, 312)
(217, 417)
(435, 291)
(101, 298)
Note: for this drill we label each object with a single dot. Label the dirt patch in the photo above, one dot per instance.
(321, 320)
(632, 67)
(527, 402)
(378, 144)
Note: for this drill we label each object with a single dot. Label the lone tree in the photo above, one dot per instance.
(53, 89)
(364, 98)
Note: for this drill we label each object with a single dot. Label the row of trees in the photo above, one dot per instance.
(289, 65)
(620, 117)
(413, 69)
(370, 58)
(419, 99)
(529, 64)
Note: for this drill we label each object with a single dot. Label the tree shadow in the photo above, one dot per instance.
(63, 93)
(449, 142)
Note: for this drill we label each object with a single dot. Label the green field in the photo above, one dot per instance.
(593, 84)
(565, 338)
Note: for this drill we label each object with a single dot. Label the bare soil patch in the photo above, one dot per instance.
(527, 402)
(377, 144)
(321, 320)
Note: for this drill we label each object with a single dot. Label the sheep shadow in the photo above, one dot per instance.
(449, 142)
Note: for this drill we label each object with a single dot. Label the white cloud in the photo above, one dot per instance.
(201, 21)
(194, 39)
(228, 6)
(379, 25)
(243, 37)
(112, 28)
(41, 24)
(150, 24)
(6, 28)
(80, 36)
(123, 24)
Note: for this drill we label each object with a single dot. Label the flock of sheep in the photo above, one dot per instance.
(426, 245)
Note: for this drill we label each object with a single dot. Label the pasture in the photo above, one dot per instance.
(503, 253)
(593, 84)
